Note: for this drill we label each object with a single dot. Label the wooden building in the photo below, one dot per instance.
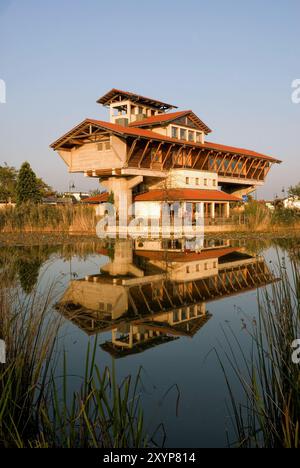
(149, 153)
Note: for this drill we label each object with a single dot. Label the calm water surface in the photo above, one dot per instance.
(165, 306)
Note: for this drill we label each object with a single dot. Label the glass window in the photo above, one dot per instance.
(187, 180)
(174, 132)
(182, 134)
(205, 182)
(191, 136)
(198, 137)
(197, 181)
(214, 183)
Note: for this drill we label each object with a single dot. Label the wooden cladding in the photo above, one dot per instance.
(164, 156)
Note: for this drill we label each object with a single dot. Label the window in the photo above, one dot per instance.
(215, 265)
(187, 180)
(197, 267)
(205, 182)
(205, 266)
(198, 137)
(104, 146)
(191, 136)
(197, 181)
(174, 132)
(187, 270)
(182, 134)
(214, 183)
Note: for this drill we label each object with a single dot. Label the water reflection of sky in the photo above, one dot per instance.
(189, 362)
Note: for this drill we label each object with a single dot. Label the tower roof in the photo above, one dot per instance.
(116, 94)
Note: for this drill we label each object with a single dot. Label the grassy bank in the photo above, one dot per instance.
(44, 218)
(82, 219)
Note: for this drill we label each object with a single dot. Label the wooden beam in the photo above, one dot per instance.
(144, 153)
(197, 158)
(168, 154)
(251, 165)
(205, 160)
(131, 150)
(155, 154)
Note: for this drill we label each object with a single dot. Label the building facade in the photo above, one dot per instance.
(149, 153)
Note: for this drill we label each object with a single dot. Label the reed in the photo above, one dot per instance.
(44, 218)
(268, 414)
(37, 409)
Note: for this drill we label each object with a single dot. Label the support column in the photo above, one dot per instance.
(227, 210)
(213, 210)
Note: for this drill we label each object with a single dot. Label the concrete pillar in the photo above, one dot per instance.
(213, 210)
(227, 210)
(122, 190)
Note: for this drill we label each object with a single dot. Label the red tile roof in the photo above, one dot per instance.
(186, 195)
(170, 117)
(101, 198)
(150, 135)
(135, 97)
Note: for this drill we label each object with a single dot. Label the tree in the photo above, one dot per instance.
(295, 191)
(8, 183)
(111, 198)
(28, 189)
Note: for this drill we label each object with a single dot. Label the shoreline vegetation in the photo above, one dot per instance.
(81, 219)
(38, 410)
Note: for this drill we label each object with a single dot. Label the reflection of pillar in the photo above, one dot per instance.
(227, 210)
(213, 210)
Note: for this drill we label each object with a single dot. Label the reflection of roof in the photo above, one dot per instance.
(113, 93)
(188, 328)
(166, 118)
(186, 195)
(150, 135)
(184, 256)
(119, 352)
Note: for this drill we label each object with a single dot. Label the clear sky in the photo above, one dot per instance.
(230, 61)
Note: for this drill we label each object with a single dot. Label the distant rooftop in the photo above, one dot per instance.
(115, 94)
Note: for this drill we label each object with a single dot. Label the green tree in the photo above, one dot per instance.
(111, 198)
(28, 189)
(295, 191)
(8, 183)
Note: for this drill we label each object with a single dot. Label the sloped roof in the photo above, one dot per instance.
(101, 198)
(151, 135)
(170, 117)
(186, 195)
(113, 93)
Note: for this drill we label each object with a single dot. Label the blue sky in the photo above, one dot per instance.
(231, 61)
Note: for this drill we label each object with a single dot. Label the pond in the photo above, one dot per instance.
(169, 308)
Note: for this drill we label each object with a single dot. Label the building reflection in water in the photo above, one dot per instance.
(154, 292)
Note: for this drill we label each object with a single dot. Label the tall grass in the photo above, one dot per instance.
(44, 218)
(269, 414)
(37, 409)
(261, 219)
